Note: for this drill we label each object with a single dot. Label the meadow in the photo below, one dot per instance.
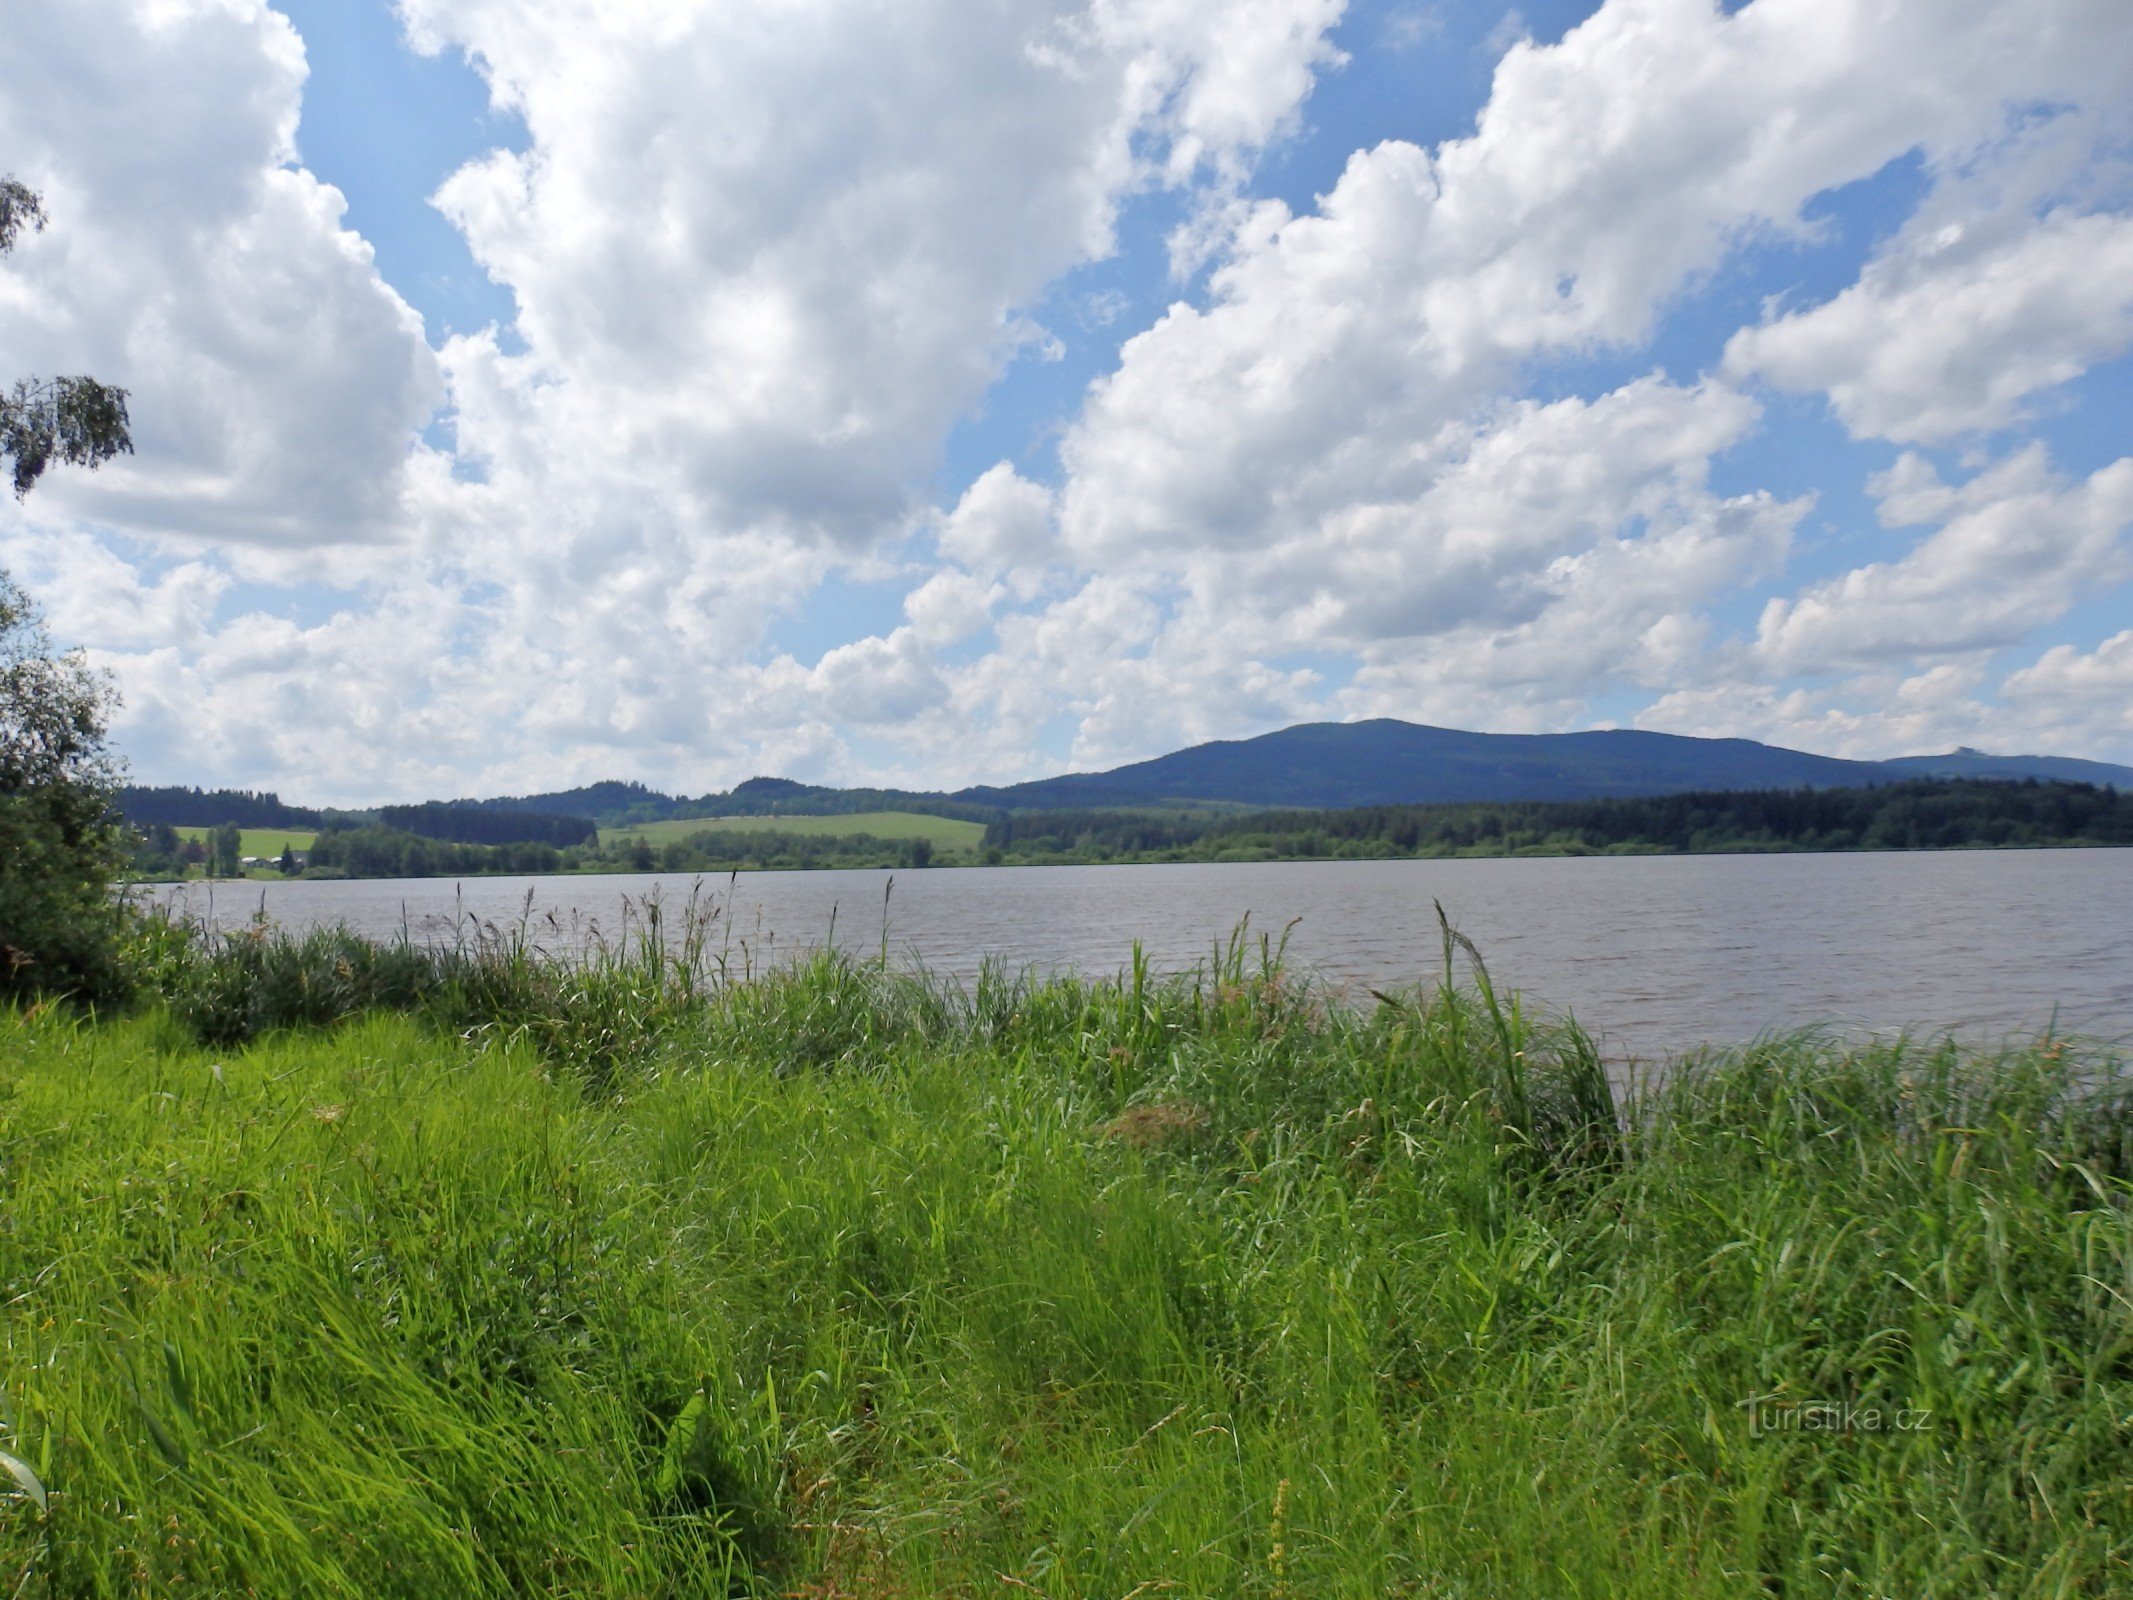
(265, 843)
(947, 835)
(340, 1269)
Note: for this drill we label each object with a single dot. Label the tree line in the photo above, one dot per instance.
(380, 852)
(471, 822)
(178, 807)
(457, 821)
(1925, 814)
(758, 850)
(376, 851)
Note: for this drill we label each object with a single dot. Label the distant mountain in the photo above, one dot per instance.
(1964, 762)
(1328, 764)
(1315, 765)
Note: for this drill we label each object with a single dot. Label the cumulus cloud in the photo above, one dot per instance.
(950, 606)
(762, 262)
(1544, 548)
(2069, 701)
(2014, 553)
(1605, 172)
(276, 379)
(1869, 717)
(879, 680)
(1941, 340)
(1301, 451)
(1002, 521)
(2084, 697)
(766, 260)
(770, 256)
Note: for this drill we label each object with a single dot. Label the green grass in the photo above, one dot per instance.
(946, 834)
(629, 1279)
(266, 843)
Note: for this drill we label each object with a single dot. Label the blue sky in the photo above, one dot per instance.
(386, 126)
(533, 395)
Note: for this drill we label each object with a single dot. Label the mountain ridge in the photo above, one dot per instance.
(1327, 765)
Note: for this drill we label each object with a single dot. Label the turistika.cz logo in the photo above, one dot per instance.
(1774, 1414)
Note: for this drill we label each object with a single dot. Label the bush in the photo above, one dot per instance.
(59, 843)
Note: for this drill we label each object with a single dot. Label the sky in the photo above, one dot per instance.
(934, 392)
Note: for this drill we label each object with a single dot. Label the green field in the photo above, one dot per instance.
(343, 1270)
(946, 834)
(266, 843)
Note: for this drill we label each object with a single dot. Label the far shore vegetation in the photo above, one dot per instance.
(1922, 814)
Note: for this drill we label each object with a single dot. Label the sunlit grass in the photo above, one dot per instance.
(634, 1278)
(265, 843)
(946, 834)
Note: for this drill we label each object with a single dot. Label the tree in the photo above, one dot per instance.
(225, 852)
(59, 847)
(59, 842)
(75, 420)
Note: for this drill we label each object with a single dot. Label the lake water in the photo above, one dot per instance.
(1655, 954)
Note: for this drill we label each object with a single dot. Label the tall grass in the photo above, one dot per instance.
(358, 1271)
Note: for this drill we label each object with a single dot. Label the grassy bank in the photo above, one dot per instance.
(343, 1271)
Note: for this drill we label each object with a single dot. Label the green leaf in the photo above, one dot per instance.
(19, 1470)
(685, 1441)
(166, 1441)
(174, 1374)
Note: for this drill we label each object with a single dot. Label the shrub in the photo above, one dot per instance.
(59, 845)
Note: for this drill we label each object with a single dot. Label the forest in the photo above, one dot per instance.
(1927, 814)
(1923, 814)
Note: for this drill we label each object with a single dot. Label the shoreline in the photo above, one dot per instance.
(939, 865)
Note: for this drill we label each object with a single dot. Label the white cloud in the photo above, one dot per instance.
(1409, 27)
(1605, 172)
(951, 606)
(276, 380)
(1301, 451)
(88, 591)
(1541, 549)
(2084, 697)
(1002, 521)
(763, 262)
(1869, 718)
(2005, 562)
(1942, 340)
(767, 259)
(879, 680)
(2103, 674)
(2068, 702)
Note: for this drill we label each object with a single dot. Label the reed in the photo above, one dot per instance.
(535, 1265)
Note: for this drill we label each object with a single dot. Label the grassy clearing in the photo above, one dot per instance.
(946, 834)
(266, 843)
(629, 1280)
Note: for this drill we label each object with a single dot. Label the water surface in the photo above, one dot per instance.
(1656, 954)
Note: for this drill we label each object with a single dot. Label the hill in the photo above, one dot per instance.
(210, 808)
(1315, 765)
(1383, 762)
(1964, 762)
